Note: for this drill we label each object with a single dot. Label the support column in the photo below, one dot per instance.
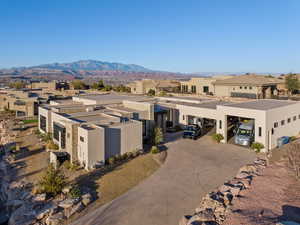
(222, 127)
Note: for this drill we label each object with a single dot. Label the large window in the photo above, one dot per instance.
(58, 129)
(43, 123)
(205, 89)
(193, 89)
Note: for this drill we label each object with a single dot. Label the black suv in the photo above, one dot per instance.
(192, 131)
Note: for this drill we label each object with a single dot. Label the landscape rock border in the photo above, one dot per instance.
(214, 207)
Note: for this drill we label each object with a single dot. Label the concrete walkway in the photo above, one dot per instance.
(192, 169)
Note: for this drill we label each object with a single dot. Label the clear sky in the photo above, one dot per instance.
(172, 35)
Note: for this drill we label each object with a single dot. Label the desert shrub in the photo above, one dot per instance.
(12, 148)
(293, 138)
(75, 192)
(51, 145)
(257, 146)
(293, 154)
(151, 92)
(217, 137)
(135, 153)
(52, 182)
(112, 160)
(37, 132)
(129, 155)
(67, 164)
(46, 137)
(118, 157)
(154, 150)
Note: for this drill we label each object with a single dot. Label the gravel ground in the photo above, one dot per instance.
(272, 197)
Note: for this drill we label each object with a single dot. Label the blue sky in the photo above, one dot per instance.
(172, 35)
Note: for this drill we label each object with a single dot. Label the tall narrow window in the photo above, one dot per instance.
(259, 131)
(220, 124)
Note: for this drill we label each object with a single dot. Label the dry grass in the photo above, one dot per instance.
(124, 177)
(116, 182)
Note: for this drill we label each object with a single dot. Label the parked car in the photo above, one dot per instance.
(192, 131)
(244, 134)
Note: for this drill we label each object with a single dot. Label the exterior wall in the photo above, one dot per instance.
(43, 85)
(199, 83)
(222, 91)
(124, 138)
(148, 108)
(46, 113)
(91, 149)
(185, 111)
(288, 129)
(84, 101)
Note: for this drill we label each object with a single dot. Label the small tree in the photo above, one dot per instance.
(292, 83)
(151, 92)
(78, 84)
(158, 136)
(257, 146)
(217, 137)
(52, 181)
(154, 150)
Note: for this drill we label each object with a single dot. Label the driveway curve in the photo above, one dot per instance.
(192, 169)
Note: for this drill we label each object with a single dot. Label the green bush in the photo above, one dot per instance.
(111, 160)
(75, 192)
(124, 156)
(157, 136)
(257, 146)
(135, 153)
(154, 150)
(129, 155)
(51, 145)
(52, 182)
(217, 137)
(118, 157)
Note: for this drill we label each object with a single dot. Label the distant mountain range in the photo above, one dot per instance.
(90, 65)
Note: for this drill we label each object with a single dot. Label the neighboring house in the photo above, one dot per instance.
(49, 86)
(143, 86)
(247, 86)
(23, 102)
(200, 85)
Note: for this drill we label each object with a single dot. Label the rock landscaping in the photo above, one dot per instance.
(214, 207)
(20, 205)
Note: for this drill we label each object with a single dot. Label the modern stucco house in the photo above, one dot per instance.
(143, 86)
(23, 102)
(200, 85)
(272, 118)
(102, 125)
(93, 128)
(246, 86)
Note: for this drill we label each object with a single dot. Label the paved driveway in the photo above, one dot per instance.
(192, 169)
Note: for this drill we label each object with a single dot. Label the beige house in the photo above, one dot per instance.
(143, 86)
(200, 85)
(91, 133)
(23, 102)
(247, 86)
(273, 119)
(49, 86)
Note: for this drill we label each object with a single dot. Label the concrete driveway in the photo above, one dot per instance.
(192, 169)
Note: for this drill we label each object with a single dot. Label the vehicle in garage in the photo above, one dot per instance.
(244, 134)
(192, 131)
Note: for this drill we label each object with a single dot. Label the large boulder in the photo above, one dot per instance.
(22, 216)
(45, 209)
(12, 205)
(206, 215)
(40, 197)
(68, 203)
(74, 209)
(86, 199)
(184, 220)
(55, 219)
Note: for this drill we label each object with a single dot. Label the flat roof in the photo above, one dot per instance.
(113, 97)
(263, 104)
(207, 105)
